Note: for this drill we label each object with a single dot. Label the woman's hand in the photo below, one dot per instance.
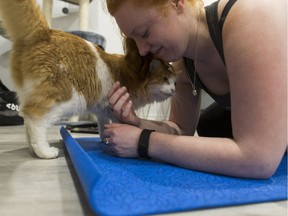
(122, 139)
(121, 104)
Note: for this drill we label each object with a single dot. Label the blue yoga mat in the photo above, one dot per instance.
(121, 186)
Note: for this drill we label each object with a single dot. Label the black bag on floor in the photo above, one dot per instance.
(9, 107)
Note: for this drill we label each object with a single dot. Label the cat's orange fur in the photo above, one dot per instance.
(58, 74)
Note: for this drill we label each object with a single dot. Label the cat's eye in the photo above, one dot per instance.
(170, 68)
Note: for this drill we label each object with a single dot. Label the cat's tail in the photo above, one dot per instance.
(23, 21)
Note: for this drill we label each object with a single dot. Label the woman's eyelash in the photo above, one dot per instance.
(146, 34)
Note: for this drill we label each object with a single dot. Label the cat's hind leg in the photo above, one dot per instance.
(36, 133)
(41, 109)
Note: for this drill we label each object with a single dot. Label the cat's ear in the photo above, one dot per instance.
(155, 65)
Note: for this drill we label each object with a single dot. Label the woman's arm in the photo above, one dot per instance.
(255, 44)
(185, 108)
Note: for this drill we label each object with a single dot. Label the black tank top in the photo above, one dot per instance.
(215, 29)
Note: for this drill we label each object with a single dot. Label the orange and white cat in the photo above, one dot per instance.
(58, 74)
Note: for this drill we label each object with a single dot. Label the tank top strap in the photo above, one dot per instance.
(225, 12)
(215, 26)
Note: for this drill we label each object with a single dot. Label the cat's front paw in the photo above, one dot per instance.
(47, 153)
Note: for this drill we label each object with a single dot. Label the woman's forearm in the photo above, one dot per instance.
(160, 126)
(215, 155)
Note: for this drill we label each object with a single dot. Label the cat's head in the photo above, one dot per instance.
(161, 82)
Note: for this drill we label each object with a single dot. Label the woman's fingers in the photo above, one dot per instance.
(127, 109)
(119, 99)
(113, 89)
(117, 96)
(120, 104)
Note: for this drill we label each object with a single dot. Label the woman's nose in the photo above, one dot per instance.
(143, 47)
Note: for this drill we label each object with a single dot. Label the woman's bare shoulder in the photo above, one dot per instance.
(258, 9)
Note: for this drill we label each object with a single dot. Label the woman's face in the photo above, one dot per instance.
(163, 35)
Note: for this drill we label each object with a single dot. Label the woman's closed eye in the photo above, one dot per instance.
(145, 34)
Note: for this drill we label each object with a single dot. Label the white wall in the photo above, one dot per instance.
(100, 22)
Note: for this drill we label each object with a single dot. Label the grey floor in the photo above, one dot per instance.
(35, 187)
